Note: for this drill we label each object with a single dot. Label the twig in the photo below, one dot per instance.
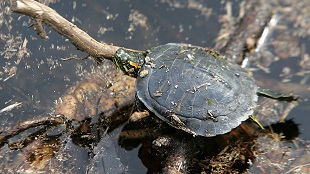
(80, 39)
(26, 124)
(250, 28)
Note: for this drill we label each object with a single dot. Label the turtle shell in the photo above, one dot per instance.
(195, 89)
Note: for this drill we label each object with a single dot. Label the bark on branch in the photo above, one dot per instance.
(80, 39)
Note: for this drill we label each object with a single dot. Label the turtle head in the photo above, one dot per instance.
(128, 61)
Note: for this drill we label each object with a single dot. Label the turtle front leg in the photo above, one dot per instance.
(139, 111)
(138, 115)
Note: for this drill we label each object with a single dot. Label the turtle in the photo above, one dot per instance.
(192, 88)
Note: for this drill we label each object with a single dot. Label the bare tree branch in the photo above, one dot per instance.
(26, 124)
(80, 39)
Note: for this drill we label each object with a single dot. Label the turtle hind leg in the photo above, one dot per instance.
(275, 95)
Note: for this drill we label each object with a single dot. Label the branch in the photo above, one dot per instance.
(80, 39)
(26, 124)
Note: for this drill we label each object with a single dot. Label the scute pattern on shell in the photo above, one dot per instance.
(200, 92)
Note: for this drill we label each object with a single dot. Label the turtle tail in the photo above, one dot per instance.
(275, 95)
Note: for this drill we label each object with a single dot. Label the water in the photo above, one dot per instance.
(41, 77)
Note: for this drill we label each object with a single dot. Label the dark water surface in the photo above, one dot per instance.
(41, 77)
